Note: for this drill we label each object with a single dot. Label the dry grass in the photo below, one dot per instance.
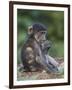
(40, 74)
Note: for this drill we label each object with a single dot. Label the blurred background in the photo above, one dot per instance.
(53, 20)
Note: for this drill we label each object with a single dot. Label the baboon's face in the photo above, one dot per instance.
(43, 42)
(40, 36)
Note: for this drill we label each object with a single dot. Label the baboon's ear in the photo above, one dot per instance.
(30, 30)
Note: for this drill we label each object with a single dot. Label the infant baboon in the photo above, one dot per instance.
(34, 53)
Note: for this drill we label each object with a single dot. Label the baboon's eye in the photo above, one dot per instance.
(43, 32)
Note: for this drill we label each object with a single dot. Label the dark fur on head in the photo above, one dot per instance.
(39, 27)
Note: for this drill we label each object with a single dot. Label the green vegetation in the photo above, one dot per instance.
(53, 20)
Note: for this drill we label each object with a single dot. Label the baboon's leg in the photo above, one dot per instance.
(52, 64)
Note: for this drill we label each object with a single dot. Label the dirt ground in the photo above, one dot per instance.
(40, 74)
